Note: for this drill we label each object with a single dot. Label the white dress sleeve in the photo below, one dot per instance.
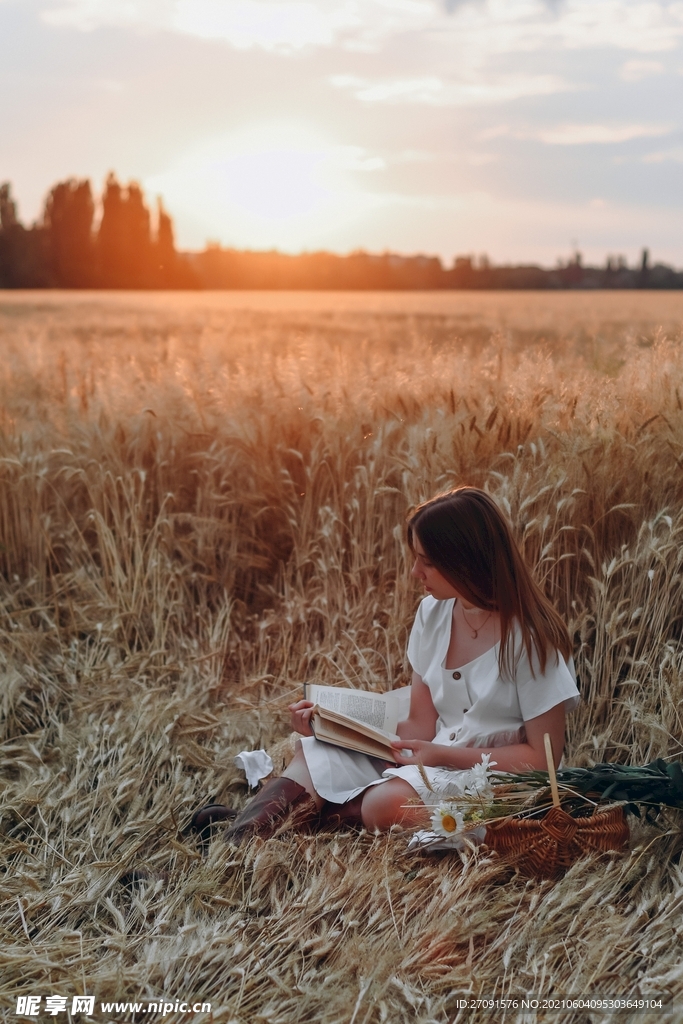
(416, 654)
(538, 691)
(429, 637)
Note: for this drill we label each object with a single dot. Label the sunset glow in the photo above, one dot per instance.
(520, 128)
(278, 185)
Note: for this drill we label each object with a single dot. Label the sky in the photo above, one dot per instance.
(520, 129)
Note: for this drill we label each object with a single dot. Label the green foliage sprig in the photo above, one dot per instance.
(654, 785)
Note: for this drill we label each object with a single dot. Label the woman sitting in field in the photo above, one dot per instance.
(492, 672)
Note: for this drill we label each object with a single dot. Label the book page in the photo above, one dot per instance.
(400, 700)
(340, 735)
(370, 708)
(352, 724)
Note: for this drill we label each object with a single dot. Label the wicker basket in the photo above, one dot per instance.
(546, 848)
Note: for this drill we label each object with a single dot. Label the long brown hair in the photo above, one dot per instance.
(465, 535)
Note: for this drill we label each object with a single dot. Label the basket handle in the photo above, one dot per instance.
(551, 769)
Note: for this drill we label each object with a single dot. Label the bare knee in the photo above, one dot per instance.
(392, 803)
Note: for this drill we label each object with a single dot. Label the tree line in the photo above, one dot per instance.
(76, 244)
(68, 248)
(216, 267)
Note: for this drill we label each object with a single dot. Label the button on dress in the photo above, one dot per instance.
(475, 705)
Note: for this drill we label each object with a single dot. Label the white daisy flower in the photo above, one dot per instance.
(449, 783)
(447, 820)
(477, 783)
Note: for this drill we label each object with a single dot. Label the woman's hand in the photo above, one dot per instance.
(432, 755)
(300, 715)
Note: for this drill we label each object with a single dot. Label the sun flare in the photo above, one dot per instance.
(275, 177)
(278, 185)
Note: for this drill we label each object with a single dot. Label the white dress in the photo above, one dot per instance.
(476, 708)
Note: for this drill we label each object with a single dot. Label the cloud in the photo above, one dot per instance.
(578, 134)
(525, 26)
(271, 25)
(87, 15)
(599, 134)
(244, 24)
(282, 25)
(415, 156)
(407, 90)
(582, 134)
(476, 30)
(675, 154)
(642, 26)
(636, 70)
(434, 91)
(289, 24)
(355, 158)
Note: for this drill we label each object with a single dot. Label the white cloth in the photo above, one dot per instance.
(476, 708)
(256, 765)
(427, 840)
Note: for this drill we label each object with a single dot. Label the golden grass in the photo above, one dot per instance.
(201, 506)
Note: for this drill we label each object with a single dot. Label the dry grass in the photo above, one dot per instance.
(201, 505)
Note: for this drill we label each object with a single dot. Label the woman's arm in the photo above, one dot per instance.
(421, 722)
(518, 757)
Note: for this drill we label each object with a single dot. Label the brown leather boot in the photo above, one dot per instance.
(206, 817)
(277, 800)
(342, 815)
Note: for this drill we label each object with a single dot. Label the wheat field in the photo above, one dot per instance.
(202, 501)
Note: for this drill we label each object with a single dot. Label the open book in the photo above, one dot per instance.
(358, 719)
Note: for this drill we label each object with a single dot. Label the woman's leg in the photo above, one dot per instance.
(297, 770)
(395, 802)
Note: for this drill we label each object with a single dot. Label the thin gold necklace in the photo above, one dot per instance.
(475, 632)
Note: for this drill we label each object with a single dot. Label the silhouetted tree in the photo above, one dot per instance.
(644, 276)
(8, 208)
(23, 253)
(124, 242)
(138, 236)
(8, 222)
(68, 219)
(166, 256)
(111, 235)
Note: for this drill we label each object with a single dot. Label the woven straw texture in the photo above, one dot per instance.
(547, 848)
